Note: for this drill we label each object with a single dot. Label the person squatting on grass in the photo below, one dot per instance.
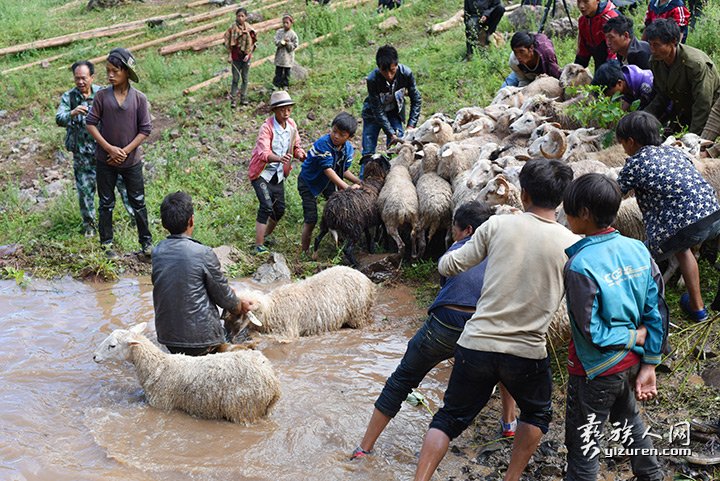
(481, 20)
(504, 341)
(619, 324)
(240, 41)
(436, 340)
(119, 120)
(384, 106)
(322, 172)
(286, 41)
(188, 285)
(680, 209)
(73, 110)
(591, 37)
(531, 56)
(683, 75)
(630, 81)
(278, 143)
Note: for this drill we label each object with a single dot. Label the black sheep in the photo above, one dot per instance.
(351, 212)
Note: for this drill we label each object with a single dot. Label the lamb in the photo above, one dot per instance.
(336, 297)
(434, 206)
(239, 386)
(398, 202)
(352, 212)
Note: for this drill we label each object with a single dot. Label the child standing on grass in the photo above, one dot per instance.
(286, 41)
(619, 321)
(240, 41)
(327, 163)
(680, 209)
(119, 121)
(278, 143)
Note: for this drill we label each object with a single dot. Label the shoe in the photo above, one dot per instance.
(697, 316)
(508, 429)
(89, 232)
(147, 249)
(360, 453)
(261, 250)
(233, 103)
(244, 101)
(270, 241)
(109, 252)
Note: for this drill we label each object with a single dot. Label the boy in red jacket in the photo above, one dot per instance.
(674, 9)
(277, 145)
(591, 38)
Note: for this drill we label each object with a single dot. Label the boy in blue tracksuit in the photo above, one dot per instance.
(326, 165)
(619, 319)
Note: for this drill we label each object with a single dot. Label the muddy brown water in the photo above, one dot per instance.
(66, 418)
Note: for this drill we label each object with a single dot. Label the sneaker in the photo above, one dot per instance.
(244, 101)
(360, 453)
(233, 103)
(89, 232)
(697, 316)
(508, 429)
(261, 250)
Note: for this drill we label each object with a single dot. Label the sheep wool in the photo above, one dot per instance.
(333, 298)
(239, 386)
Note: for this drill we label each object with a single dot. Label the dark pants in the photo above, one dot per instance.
(193, 351)
(696, 10)
(371, 131)
(478, 34)
(604, 397)
(239, 69)
(309, 201)
(473, 378)
(282, 77)
(433, 343)
(133, 177)
(272, 199)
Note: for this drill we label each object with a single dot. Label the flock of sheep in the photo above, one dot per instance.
(442, 164)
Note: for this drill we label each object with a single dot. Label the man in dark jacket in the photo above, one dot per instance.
(481, 20)
(621, 39)
(384, 107)
(188, 285)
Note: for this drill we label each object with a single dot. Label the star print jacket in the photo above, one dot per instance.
(670, 191)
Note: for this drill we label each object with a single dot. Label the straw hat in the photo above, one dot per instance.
(280, 99)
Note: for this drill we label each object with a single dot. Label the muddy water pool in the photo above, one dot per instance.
(65, 418)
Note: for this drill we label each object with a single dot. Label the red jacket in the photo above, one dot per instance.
(674, 9)
(591, 38)
(263, 148)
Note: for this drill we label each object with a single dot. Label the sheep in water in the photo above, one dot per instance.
(333, 298)
(352, 212)
(239, 386)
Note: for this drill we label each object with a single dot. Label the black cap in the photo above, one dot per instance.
(126, 58)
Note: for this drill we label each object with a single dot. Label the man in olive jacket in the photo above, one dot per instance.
(683, 75)
(188, 285)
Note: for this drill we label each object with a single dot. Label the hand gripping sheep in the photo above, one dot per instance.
(239, 386)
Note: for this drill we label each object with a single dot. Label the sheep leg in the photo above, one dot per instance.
(323, 232)
(414, 236)
(393, 232)
(421, 242)
(369, 240)
(671, 269)
(348, 251)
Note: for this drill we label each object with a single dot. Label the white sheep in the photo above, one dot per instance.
(336, 297)
(434, 130)
(574, 75)
(434, 206)
(500, 191)
(510, 96)
(527, 123)
(240, 386)
(430, 158)
(543, 84)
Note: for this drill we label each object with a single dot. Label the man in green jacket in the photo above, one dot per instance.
(683, 75)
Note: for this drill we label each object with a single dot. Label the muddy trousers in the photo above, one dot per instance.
(85, 183)
(240, 71)
(107, 176)
(589, 404)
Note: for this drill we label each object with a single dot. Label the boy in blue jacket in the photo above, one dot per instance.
(619, 321)
(326, 165)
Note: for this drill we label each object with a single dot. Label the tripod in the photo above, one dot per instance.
(551, 4)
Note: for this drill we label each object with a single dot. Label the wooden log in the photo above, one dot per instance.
(88, 34)
(167, 38)
(453, 21)
(217, 78)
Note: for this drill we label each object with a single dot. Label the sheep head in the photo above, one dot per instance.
(511, 96)
(498, 191)
(555, 143)
(527, 122)
(574, 75)
(376, 165)
(581, 140)
(116, 347)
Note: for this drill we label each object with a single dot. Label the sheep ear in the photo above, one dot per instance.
(138, 328)
(502, 188)
(436, 128)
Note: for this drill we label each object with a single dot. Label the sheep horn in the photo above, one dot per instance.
(560, 141)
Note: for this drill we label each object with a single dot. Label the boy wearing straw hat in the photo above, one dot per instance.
(278, 143)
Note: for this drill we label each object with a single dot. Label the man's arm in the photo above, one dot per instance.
(415, 102)
(63, 115)
(703, 93)
(352, 177)
(219, 291)
(335, 179)
(469, 255)
(378, 109)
